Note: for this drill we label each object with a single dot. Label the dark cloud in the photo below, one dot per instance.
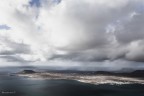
(15, 48)
(102, 33)
(12, 50)
(81, 31)
(131, 30)
(14, 58)
(85, 57)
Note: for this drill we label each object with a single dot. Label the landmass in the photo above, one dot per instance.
(92, 77)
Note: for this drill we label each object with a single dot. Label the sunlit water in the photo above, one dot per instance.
(20, 86)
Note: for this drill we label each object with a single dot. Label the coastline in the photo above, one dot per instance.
(91, 79)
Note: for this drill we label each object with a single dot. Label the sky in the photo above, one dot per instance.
(81, 34)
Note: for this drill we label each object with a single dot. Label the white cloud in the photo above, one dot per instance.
(83, 30)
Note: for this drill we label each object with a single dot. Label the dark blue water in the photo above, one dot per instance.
(20, 86)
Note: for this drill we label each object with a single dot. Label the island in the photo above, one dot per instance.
(92, 77)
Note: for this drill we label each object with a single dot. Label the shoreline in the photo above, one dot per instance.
(91, 79)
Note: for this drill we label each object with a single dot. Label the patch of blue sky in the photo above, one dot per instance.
(4, 27)
(35, 3)
(56, 1)
(140, 8)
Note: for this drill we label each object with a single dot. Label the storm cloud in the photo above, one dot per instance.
(72, 30)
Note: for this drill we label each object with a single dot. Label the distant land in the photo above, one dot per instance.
(93, 77)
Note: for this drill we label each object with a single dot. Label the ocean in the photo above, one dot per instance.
(22, 86)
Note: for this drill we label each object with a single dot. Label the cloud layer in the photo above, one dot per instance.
(82, 31)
